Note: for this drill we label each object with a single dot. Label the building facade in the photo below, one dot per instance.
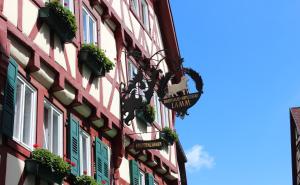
(50, 100)
(295, 146)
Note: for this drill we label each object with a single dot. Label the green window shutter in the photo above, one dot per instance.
(9, 98)
(134, 173)
(149, 179)
(74, 144)
(102, 164)
(105, 175)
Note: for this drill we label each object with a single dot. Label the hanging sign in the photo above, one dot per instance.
(145, 145)
(177, 97)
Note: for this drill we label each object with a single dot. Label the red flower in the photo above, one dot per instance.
(84, 172)
(68, 160)
(36, 146)
(103, 181)
(73, 164)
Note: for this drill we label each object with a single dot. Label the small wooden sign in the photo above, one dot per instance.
(145, 145)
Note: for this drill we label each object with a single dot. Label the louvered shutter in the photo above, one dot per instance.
(9, 98)
(149, 179)
(102, 164)
(134, 173)
(105, 175)
(74, 144)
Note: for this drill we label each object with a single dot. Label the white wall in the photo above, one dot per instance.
(124, 170)
(14, 169)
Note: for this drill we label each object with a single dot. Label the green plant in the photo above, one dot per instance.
(149, 113)
(50, 160)
(99, 55)
(85, 180)
(169, 134)
(66, 15)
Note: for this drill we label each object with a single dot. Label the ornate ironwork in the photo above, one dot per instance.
(140, 89)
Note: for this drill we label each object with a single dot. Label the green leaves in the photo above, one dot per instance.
(99, 55)
(65, 14)
(85, 180)
(149, 113)
(170, 134)
(51, 160)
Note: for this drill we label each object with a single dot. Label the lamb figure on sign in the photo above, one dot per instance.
(182, 86)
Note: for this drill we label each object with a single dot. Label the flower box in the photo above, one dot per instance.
(34, 167)
(59, 19)
(168, 135)
(95, 59)
(147, 114)
(91, 62)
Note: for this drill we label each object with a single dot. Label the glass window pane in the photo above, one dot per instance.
(46, 128)
(18, 109)
(91, 30)
(85, 31)
(27, 116)
(55, 141)
(83, 153)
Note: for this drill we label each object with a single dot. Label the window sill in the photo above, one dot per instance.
(19, 147)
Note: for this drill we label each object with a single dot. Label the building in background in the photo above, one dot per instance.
(295, 147)
(50, 100)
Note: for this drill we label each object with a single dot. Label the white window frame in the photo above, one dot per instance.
(166, 117)
(142, 178)
(70, 6)
(145, 14)
(19, 138)
(85, 135)
(89, 16)
(52, 109)
(132, 70)
(157, 106)
(135, 6)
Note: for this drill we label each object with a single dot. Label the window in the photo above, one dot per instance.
(157, 109)
(135, 6)
(53, 129)
(85, 151)
(69, 4)
(132, 70)
(25, 111)
(142, 178)
(145, 14)
(166, 117)
(89, 28)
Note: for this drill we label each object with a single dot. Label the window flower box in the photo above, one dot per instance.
(95, 59)
(47, 166)
(36, 168)
(147, 114)
(169, 136)
(60, 19)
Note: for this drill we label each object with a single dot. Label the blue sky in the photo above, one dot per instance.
(248, 53)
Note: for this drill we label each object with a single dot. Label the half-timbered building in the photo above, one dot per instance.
(50, 100)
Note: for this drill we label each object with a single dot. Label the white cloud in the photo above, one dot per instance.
(198, 158)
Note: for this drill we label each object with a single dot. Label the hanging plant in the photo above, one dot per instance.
(95, 59)
(47, 166)
(147, 114)
(168, 135)
(60, 19)
(85, 180)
